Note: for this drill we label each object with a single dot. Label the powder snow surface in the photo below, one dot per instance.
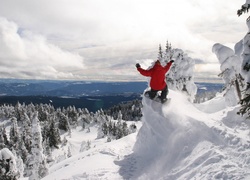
(178, 140)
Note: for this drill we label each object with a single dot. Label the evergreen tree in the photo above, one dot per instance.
(26, 136)
(72, 115)
(110, 127)
(125, 129)
(83, 125)
(119, 132)
(181, 75)
(63, 122)
(18, 111)
(4, 143)
(42, 113)
(20, 166)
(49, 156)
(132, 128)
(23, 152)
(14, 134)
(244, 9)
(105, 129)
(8, 169)
(245, 100)
(53, 135)
(114, 130)
(168, 52)
(230, 74)
(64, 141)
(130, 111)
(37, 165)
(160, 54)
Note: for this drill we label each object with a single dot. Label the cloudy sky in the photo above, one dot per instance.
(103, 39)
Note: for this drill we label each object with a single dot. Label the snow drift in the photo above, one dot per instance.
(178, 141)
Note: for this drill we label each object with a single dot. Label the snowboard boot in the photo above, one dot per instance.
(163, 100)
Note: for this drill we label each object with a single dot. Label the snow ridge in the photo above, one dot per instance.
(178, 141)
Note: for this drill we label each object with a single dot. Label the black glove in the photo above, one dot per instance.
(137, 65)
(172, 61)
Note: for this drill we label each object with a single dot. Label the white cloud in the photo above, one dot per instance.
(27, 55)
(112, 32)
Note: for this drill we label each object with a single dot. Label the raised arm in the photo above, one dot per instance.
(168, 65)
(143, 71)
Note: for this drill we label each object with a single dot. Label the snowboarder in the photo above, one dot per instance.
(157, 81)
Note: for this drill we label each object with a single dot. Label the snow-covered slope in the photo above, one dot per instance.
(176, 141)
(98, 162)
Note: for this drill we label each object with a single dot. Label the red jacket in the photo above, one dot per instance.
(157, 74)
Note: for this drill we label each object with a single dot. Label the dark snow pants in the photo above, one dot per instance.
(152, 93)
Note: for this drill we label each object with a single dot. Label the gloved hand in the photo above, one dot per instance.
(137, 65)
(172, 61)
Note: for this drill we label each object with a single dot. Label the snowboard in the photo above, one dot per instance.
(157, 99)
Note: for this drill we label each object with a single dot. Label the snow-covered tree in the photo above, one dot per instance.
(118, 127)
(23, 152)
(125, 130)
(53, 135)
(49, 157)
(245, 101)
(42, 113)
(14, 133)
(63, 122)
(160, 53)
(244, 8)
(132, 128)
(105, 129)
(119, 116)
(26, 132)
(230, 73)
(181, 75)
(8, 169)
(20, 166)
(36, 161)
(235, 67)
(168, 52)
(18, 111)
(4, 143)
(72, 115)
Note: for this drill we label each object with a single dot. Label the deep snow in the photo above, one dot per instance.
(183, 142)
(180, 140)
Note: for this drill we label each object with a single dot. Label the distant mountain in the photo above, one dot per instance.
(68, 88)
(80, 88)
(81, 94)
(208, 87)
